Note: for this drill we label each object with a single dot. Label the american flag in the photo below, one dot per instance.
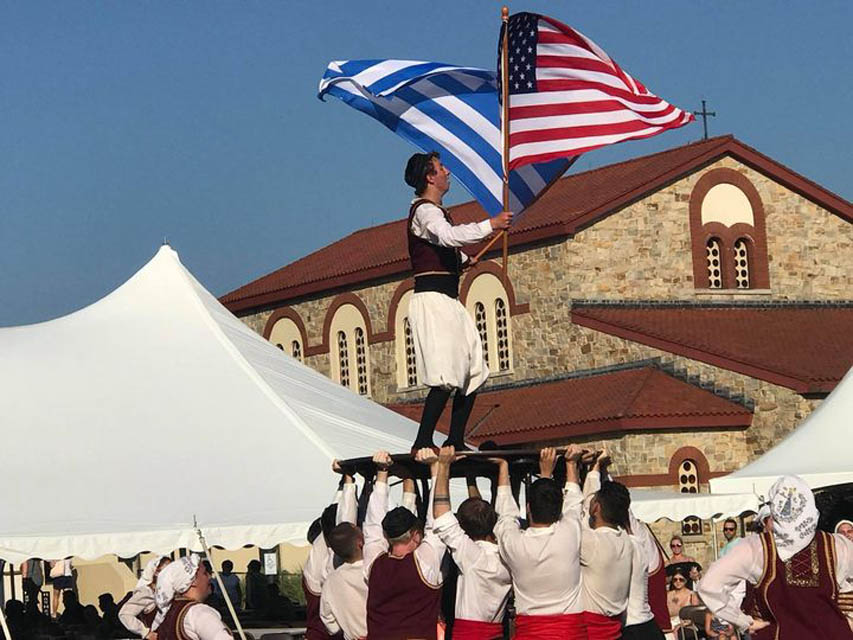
(446, 108)
(567, 96)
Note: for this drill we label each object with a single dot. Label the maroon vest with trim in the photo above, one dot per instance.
(798, 597)
(428, 257)
(657, 593)
(401, 604)
(314, 627)
(172, 627)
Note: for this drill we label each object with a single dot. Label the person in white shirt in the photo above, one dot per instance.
(484, 584)
(402, 562)
(797, 570)
(544, 559)
(607, 556)
(182, 588)
(448, 350)
(320, 561)
(343, 603)
(138, 613)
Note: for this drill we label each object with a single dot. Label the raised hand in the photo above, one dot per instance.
(757, 625)
(547, 462)
(382, 460)
(447, 455)
(426, 456)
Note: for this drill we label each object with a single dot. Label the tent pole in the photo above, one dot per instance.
(714, 530)
(218, 581)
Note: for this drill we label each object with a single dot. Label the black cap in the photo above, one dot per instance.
(415, 168)
(398, 521)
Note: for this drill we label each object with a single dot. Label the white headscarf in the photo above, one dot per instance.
(840, 522)
(174, 580)
(794, 514)
(147, 576)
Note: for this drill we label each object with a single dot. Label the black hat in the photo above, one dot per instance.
(398, 521)
(416, 169)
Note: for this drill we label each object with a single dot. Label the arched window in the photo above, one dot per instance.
(482, 328)
(411, 363)
(488, 304)
(728, 235)
(348, 338)
(741, 263)
(361, 360)
(715, 273)
(688, 482)
(343, 359)
(286, 332)
(502, 329)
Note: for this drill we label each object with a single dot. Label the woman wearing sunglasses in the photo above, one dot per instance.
(679, 596)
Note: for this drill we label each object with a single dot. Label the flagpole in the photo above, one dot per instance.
(505, 131)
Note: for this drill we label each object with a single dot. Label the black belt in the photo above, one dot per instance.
(446, 283)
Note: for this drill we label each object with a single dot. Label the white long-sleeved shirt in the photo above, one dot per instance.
(484, 581)
(429, 553)
(321, 560)
(647, 559)
(544, 561)
(745, 561)
(429, 224)
(141, 601)
(607, 557)
(203, 622)
(343, 604)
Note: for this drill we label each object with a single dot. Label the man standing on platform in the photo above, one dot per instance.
(448, 350)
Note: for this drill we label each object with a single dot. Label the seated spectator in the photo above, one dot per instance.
(256, 587)
(73, 613)
(109, 608)
(845, 528)
(694, 574)
(679, 596)
(676, 545)
(232, 585)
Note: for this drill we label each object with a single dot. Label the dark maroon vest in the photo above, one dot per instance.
(657, 593)
(314, 627)
(798, 597)
(401, 604)
(172, 627)
(427, 257)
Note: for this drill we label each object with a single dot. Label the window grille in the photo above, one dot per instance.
(296, 350)
(688, 482)
(715, 273)
(503, 334)
(361, 361)
(411, 363)
(482, 328)
(741, 264)
(343, 359)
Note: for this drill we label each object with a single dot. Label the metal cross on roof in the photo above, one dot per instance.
(705, 113)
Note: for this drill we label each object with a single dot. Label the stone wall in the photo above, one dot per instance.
(640, 252)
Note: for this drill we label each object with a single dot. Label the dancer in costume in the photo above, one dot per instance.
(448, 350)
(138, 612)
(182, 588)
(797, 572)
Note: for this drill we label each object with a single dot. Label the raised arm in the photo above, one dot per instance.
(572, 496)
(348, 502)
(431, 551)
(377, 506)
(129, 613)
(410, 498)
(430, 224)
(441, 484)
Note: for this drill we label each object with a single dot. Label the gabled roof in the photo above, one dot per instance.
(574, 202)
(633, 399)
(807, 347)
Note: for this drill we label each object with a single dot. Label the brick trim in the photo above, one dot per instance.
(487, 266)
(670, 478)
(390, 332)
(755, 234)
(339, 301)
(290, 313)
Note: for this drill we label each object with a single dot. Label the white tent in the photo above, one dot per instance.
(649, 505)
(820, 450)
(125, 419)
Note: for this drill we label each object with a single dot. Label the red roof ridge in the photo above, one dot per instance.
(649, 372)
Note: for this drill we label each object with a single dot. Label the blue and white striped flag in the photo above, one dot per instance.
(445, 108)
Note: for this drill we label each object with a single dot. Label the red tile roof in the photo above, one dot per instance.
(637, 399)
(805, 347)
(574, 202)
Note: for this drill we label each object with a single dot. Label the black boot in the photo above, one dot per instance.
(462, 406)
(435, 401)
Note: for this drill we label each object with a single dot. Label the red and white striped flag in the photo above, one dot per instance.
(567, 96)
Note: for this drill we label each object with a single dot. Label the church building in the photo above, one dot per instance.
(687, 309)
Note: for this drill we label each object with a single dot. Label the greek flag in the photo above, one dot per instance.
(445, 108)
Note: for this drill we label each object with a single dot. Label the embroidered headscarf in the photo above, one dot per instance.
(147, 576)
(841, 522)
(174, 580)
(795, 515)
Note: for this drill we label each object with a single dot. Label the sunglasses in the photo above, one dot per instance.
(675, 545)
(679, 580)
(729, 529)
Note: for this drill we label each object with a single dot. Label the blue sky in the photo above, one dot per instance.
(122, 123)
